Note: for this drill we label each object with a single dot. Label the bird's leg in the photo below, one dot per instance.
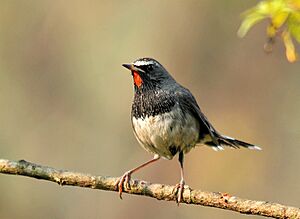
(124, 180)
(180, 186)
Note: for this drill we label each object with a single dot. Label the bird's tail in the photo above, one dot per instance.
(234, 143)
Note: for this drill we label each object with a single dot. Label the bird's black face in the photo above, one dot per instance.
(147, 73)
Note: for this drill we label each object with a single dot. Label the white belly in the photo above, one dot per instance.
(174, 130)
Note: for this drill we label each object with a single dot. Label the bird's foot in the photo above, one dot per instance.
(179, 188)
(123, 183)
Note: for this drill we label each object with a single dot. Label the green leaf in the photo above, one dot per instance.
(275, 9)
(294, 25)
(279, 18)
(290, 52)
(284, 17)
(249, 22)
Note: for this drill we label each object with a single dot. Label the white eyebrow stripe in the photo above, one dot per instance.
(143, 62)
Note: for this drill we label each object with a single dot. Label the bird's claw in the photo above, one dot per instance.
(123, 183)
(178, 190)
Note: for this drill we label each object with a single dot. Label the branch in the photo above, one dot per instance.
(158, 191)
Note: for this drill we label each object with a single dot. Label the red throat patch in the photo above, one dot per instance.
(137, 79)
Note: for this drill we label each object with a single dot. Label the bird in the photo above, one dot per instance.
(167, 120)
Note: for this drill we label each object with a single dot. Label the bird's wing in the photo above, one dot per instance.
(188, 104)
(215, 140)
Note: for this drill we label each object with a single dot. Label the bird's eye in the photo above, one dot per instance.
(150, 67)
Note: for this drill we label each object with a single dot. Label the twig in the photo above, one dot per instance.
(158, 191)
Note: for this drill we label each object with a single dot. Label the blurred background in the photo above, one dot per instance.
(66, 100)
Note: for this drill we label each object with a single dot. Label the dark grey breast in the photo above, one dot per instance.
(152, 103)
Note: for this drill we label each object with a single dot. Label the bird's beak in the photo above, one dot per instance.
(131, 67)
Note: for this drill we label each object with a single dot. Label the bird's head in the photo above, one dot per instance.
(148, 73)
